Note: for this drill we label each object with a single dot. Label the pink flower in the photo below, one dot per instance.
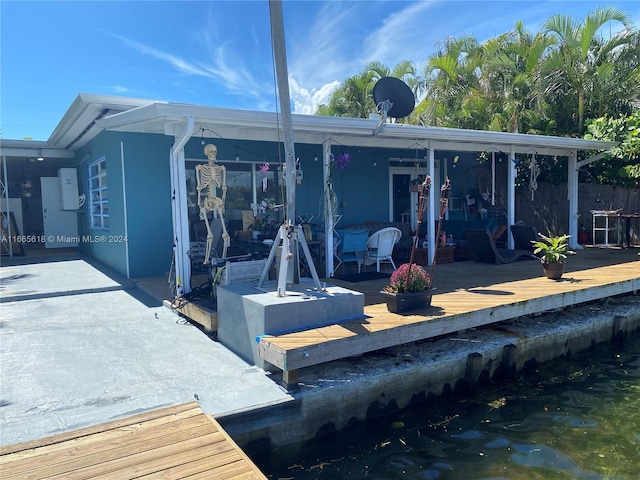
(419, 279)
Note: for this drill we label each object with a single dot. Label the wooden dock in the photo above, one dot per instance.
(175, 442)
(473, 295)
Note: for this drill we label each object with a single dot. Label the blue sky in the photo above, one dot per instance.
(218, 53)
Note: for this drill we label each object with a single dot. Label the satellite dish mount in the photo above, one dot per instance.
(393, 99)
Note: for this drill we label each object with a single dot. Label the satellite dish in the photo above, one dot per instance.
(393, 97)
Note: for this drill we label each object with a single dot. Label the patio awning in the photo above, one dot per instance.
(160, 118)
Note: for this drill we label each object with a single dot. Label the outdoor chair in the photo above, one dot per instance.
(523, 235)
(484, 248)
(197, 249)
(380, 246)
(354, 246)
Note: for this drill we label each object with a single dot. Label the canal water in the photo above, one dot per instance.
(575, 418)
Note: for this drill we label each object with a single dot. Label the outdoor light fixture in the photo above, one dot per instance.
(237, 156)
(40, 158)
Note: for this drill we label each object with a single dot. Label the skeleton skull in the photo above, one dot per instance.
(211, 151)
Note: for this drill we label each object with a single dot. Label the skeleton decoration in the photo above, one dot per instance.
(209, 177)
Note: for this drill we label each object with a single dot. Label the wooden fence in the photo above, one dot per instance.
(549, 209)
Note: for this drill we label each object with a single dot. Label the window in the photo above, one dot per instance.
(99, 204)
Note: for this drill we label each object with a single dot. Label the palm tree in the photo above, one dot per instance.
(510, 62)
(354, 98)
(405, 71)
(449, 75)
(581, 60)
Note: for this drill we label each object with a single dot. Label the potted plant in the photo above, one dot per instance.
(259, 225)
(409, 288)
(416, 184)
(554, 250)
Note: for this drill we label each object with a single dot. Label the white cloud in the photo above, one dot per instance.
(224, 66)
(177, 62)
(119, 89)
(401, 37)
(306, 101)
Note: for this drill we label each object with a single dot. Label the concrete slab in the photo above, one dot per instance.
(70, 360)
(62, 276)
(246, 313)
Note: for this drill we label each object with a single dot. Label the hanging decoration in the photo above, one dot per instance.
(264, 169)
(535, 171)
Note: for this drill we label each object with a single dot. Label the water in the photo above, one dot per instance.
(569, 419)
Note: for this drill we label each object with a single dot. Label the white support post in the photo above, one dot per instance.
(328, 215)
(511, 194)
(431, 208)
(180, 213)
(572, 195)
(493, 177)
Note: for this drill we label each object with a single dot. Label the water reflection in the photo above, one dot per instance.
(577, 418)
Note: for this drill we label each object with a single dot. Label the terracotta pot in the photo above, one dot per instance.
(553, 271)
(403, 302)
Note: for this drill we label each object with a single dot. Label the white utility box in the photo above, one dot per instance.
(68, 178)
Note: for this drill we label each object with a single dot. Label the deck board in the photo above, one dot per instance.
(452, 310)
(174, 442)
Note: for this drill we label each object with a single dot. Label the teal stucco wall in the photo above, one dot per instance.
(148, 227)
(362, 190)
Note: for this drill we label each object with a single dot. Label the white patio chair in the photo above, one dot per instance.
(380, 246)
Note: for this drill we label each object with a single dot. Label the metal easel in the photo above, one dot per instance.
(288, 236)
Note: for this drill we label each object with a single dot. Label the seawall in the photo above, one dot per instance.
(333, 396)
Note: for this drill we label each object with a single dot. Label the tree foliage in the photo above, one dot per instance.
(621, 164)
(551, 82)
(354, 97)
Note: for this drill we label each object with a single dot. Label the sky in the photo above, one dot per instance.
(218, 53)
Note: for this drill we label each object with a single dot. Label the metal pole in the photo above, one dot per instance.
(282, 76)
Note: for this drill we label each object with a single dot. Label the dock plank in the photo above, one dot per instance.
(450, 312)
(174, 442)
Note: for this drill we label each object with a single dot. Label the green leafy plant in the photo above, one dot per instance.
(554, 248)
(418, 279)
(260, 224)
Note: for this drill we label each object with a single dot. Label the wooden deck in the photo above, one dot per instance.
(175, 442)
(468, 294)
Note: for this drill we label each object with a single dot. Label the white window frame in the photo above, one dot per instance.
(98, 194)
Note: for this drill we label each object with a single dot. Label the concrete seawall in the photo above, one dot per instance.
(332, 396)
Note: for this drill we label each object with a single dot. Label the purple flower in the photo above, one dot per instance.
(342, 161)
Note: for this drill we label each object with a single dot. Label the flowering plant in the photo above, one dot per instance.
(341, 162)
(409, 278)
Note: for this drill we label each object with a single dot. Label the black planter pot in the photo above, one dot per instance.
(404, 302)
(553, 271)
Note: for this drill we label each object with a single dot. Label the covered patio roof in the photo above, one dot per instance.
(169, 118)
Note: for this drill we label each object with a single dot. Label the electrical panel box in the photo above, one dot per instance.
(69, 199)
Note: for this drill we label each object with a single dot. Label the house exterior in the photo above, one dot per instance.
(135, 165)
